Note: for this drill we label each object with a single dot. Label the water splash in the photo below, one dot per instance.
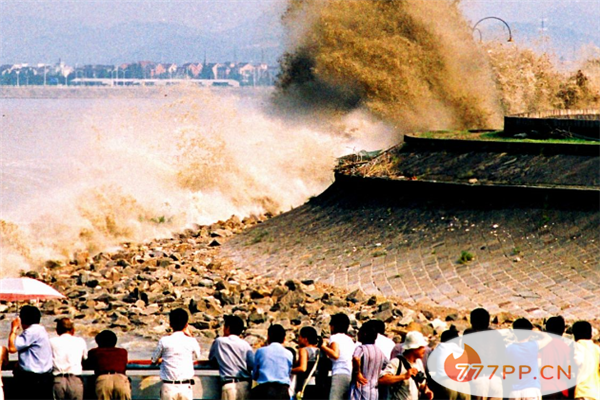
(530, 81)
(411, 62)
(415, 64)
(143, 169)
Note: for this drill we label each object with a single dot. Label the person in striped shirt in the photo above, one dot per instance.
(367, 362)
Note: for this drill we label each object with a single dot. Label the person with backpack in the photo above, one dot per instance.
(405, 374)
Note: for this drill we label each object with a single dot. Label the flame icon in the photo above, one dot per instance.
(469, 356)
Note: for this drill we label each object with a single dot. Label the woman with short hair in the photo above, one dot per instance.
(339, 349)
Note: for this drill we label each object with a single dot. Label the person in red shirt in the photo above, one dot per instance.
(109, 364)
(555, 354)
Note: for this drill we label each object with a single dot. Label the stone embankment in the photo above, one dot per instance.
(508, 230)
(414, 260)
(133, 289)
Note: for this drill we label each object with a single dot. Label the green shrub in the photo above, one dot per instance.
(465, 257)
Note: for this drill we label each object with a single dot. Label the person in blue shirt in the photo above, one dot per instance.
(272, 367)
(234, 358)
(34, 373)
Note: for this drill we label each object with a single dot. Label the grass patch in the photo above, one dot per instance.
(157, 220)
(544, 220)
(438, 134)
(466, 257)
(259, 236)
(495, 136)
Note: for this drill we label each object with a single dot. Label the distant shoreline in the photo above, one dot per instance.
(89, 92)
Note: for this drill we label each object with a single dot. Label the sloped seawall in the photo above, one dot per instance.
(533, 247)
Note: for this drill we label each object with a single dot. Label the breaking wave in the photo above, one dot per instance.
(411, 62)
(116, 170)
(79, 176)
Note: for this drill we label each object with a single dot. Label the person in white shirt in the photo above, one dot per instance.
(340, 349)
(176, 354)
(68, 352)
(384, 343)
(449, 388)
(3, 364)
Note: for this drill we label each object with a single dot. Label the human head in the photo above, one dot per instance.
(276, 334)
(310, 335)
(522, 328)
(378, 325)
(178, 319)
(233, 324)
(582, 330)
(449, 334)
(64, 325)
(556, 325)
(30, 315)
(480, 319)
(367, 334)
(106, 338)
(339, 323)
(415, 342)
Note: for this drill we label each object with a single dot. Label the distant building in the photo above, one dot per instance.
(193, 70)
(245, 73)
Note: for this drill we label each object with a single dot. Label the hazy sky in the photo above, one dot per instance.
(532, 10)
(230, 12)
(104, 13)
(43, 30)
(223, 14)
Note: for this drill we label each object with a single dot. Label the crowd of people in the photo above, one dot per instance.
(337, 368)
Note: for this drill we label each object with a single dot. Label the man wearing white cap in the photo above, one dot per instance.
(405, 374)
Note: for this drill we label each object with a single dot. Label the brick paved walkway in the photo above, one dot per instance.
(528, 261)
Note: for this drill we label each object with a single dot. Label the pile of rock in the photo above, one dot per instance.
(133, 289)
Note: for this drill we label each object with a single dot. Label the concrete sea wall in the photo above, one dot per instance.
(534, 249)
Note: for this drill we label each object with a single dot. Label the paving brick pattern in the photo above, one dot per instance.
(527, 261)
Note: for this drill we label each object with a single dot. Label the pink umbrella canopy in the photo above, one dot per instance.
(20, 289)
